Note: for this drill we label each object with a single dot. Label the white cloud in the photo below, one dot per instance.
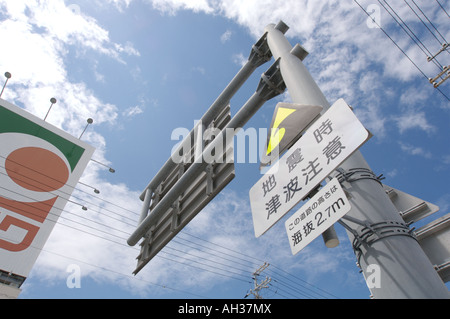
(172, 6)
(132, 111)
(39, 34)
(414, 150)
(372, 118)
(226, 36)
(120, 4)
(199, 69)
(239, 59)
(413, 120)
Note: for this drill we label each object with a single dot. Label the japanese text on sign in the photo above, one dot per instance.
(318, 214)
(325, 145)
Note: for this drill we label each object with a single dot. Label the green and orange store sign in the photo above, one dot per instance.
(40, 166)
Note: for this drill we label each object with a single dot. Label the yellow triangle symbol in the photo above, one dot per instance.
(277, 134)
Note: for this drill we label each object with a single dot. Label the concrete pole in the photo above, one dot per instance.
(377, 231)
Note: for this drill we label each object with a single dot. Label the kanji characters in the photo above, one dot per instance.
(308, 228)
(297, 237)
(272, 205)
(311, 170)
(291, 188)
(324, 129)
(295, 158)
(269, 185)
(333, 149)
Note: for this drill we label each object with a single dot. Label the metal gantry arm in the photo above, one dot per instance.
(270, 85)
(259, 55)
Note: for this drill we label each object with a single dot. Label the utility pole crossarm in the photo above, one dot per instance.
(259, 286)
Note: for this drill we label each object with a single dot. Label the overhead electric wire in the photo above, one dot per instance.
(292, 295)
(254, 260)
(42, 185)
(70, 186)
(227, 271)
(213, 253)
(312, 289)
(398, 47)
(122, 238)
(61, 215)
(277, 293)
(319, 290)
(245, 279)
(116, 272)
(431, 23)
(410, 33)
(443, 9)
(303, 294)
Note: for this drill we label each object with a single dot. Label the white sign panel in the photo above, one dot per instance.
(324, 146)
(317, 215)
(39, 168)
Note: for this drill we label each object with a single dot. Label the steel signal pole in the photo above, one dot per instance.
(375, 228)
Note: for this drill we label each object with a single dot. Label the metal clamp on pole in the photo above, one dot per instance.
(356, 174)
(370, 233)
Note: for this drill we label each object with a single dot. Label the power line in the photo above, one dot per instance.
(42, 186)
(116, 229)
(408, 31)
(294, 280)
(123, 240)
(56, 214)
(443, 9)
(228, 273)
(398, 47)
(431, 23)
(118, 273)
(321, 293)
(196, 257)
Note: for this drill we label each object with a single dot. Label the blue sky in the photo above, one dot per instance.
(142, 68)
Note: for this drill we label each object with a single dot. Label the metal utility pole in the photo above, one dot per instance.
(375, 228)
(259, 286)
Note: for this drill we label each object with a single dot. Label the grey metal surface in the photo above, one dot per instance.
(270, 85)
(405, 270)
(434, 238)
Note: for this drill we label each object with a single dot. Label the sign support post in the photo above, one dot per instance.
(404, 269)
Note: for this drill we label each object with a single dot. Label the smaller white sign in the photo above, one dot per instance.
(323, 210)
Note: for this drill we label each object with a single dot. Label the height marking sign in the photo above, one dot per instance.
(325, 145)
(323, 210)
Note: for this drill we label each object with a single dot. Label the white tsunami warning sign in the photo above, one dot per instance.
(324, 146)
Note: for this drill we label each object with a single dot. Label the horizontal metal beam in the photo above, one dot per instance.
(259, 54)
(193, 199)
(270, 85)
